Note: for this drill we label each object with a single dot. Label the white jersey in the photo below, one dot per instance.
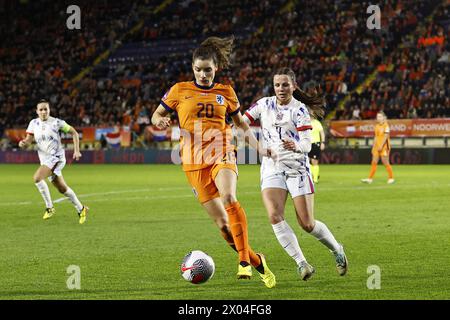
(47, 137)
(278, 123)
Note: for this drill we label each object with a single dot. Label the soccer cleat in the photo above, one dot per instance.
(267, 277)
(244, 272)
(305, 270)
(368, 181)
(83, 214)
(390, 181)
(49, 212)
(341, 262)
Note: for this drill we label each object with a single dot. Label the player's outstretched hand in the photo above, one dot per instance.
(76, 156)
(22, 144)
(163, 123)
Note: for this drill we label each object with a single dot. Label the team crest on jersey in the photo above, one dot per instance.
(220, 99)
(279, 116)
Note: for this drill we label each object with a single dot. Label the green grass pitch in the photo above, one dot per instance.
(144, 219)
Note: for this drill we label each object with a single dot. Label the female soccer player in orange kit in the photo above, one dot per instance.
(381, 148)
(208, 157)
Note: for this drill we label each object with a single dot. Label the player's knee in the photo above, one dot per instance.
(308, 227)
(228, 198)
(62, 189)
(275, 217)
(37, 178)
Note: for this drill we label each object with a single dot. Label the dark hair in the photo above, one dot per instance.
(217, 49)
(315, 102)
(43, 101)
(309, 85)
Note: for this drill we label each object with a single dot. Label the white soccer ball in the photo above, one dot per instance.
(197, 267)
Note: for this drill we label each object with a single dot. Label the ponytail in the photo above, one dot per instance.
(315, 102)
(217, 49)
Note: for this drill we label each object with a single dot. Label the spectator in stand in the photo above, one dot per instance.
(327, 46)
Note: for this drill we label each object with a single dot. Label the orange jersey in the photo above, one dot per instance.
(380, 131)
(205, 135)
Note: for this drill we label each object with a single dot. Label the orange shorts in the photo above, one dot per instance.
(202, 181)
(383, 153)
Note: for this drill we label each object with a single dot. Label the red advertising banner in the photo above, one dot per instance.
(399, 128)
(15, 135)
(88, 134)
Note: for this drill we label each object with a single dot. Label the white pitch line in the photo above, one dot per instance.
(141, 198)
(319, 188)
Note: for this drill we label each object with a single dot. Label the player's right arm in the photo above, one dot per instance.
(27, 141)
(251, 115)
(160, 117)
(169, 103)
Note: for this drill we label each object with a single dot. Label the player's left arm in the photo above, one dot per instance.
(76, 140)
(303, 124)
(304, 144)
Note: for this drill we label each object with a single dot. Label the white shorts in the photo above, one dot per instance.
(56, 164)
(296, 185)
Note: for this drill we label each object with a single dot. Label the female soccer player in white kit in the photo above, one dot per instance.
(46, 132)
(286, 130)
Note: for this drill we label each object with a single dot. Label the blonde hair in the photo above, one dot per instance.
(217, 49)
(383, 114)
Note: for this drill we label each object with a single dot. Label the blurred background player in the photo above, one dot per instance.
(380, 149)
(45, 130)
(202, 106)
(317, 146)
(317, 135)
(286, 130)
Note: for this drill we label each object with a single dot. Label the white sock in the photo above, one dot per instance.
(288, 240)
(45, 193)
(324, 235)
(73, 197)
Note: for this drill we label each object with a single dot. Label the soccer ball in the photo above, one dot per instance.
(197, 267)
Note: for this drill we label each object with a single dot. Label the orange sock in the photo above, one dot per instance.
(372, 170)
(389, 170)
(238, 227)
(255, 261)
